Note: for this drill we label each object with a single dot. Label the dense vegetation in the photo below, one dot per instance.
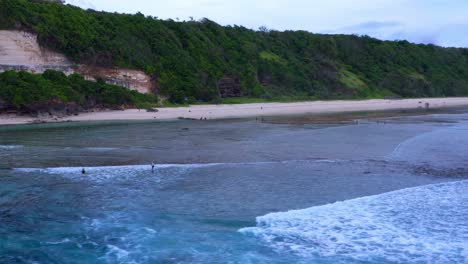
(188, 58)
(53, 90)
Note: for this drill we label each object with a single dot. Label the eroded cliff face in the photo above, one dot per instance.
(20, 50)
(130, 79)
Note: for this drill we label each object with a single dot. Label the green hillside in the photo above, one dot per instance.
(188, 59)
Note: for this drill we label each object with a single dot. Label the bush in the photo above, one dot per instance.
(24, 90)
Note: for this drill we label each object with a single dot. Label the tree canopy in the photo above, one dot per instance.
(31, 93)
(187, 59)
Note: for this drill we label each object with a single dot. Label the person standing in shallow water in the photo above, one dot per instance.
(83, 171)
(152, 166)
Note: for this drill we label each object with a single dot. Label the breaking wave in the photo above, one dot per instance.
(10, 146)
(64, 170)
(106, 173)
(425, 224)
(442, 147)
(126, 168)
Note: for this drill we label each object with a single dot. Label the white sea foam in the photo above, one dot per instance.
(100, 149)
(113, 169)
(150, 230)
(427, 224)
(162, 172)
(116, 252)
(63, 241)
(106, 173)
(65, 170)
(10, 146)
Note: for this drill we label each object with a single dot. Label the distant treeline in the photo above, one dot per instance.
(188, 59)
(54, 91)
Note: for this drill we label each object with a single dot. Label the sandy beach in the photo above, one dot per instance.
(250, 110)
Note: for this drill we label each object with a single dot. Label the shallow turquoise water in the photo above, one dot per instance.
(214, 179)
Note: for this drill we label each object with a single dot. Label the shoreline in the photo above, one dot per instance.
(211, 112)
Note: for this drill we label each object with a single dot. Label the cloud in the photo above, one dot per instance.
(373, 25)
(81, 3)
(450, 35)
(454, 35)
(372, 28)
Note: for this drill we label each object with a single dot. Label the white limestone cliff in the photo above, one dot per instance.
(20, 50)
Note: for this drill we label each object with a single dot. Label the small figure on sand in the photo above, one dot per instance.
(152, 166)
(83, 171)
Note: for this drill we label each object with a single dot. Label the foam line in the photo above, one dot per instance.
(10, 146)
(60, 170)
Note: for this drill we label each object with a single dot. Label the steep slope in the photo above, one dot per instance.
(19, 50)
(200, 60)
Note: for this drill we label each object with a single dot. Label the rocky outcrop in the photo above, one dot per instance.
(130, 79)
(3, 105)
(229, 87)
(20, 51)
(49, 108)
(264, 78)
(54, 108)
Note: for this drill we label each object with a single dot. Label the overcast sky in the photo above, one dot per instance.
(441, 22)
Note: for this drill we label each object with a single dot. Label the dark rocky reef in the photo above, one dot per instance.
(229, 87)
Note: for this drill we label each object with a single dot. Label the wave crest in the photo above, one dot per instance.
(424, 224)
(10, 146)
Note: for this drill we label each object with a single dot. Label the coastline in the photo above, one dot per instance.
(211, 112)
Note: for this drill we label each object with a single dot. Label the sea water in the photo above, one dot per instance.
(236, 192)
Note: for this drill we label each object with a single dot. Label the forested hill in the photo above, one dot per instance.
(188, 59)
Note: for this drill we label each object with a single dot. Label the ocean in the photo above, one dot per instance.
(387, 190)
